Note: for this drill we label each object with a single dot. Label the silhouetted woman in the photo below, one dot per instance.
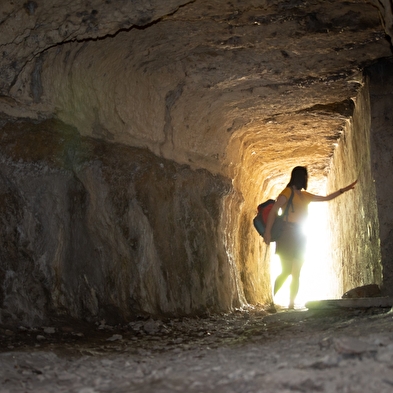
(291, 245)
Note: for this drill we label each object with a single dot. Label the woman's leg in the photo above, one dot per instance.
(294, 287)
(286, 268)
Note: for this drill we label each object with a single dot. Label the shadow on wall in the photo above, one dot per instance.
(380, 76)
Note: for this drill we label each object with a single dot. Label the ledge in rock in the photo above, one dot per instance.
(383, 302)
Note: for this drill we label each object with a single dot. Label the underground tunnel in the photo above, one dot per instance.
(137, 141)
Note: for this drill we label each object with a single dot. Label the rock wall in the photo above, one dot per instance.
(191, 75)
(96, 230)
(28, 28)
(381, 96)
(354, 221)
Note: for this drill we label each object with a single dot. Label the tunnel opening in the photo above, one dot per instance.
(344, 236)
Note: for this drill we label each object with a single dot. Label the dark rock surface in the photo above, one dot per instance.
(246, 351)
(94, 230)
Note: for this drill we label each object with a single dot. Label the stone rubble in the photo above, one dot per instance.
(247, 351)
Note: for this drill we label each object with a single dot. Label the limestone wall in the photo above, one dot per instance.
(29, 28)
(354, 224)
(97, 230)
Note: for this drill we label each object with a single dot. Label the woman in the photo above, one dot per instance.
(292, 243)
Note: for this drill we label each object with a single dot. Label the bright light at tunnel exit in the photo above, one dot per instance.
(316, 277)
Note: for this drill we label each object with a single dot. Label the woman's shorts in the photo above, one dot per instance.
(292, 242)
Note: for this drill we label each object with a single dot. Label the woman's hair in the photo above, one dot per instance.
(299, 178)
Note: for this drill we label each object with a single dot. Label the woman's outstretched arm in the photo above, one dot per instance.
(320, 198)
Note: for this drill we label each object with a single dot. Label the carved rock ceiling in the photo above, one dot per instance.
(242, 82)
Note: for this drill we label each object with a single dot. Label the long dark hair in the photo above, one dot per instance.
(299, 178)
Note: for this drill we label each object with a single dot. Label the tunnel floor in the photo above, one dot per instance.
(334, 350)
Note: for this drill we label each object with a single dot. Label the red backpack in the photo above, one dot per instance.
(260, 219)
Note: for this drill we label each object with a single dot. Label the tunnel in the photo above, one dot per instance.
(138, 138)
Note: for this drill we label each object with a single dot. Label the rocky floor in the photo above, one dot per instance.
(341, 350)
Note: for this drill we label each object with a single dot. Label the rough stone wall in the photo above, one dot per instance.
(354, 225)
(385, 8)
(381, 96)
(28, 28)
(187, 80)
(96, 230)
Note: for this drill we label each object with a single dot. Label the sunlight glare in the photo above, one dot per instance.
(315, 275)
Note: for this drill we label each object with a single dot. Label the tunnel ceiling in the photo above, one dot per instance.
(204, 82)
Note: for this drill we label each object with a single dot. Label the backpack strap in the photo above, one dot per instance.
(290, 203)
